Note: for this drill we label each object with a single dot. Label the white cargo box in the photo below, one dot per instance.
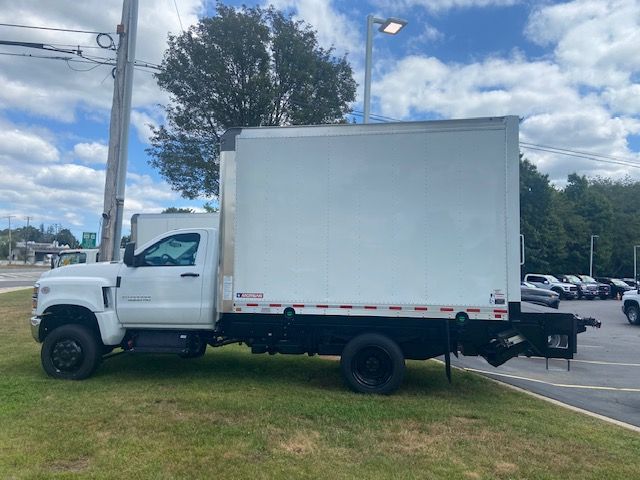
(413, 219)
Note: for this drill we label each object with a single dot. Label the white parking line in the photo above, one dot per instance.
(595, 362)
(561, 385)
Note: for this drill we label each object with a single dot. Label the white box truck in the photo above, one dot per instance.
(377, 243)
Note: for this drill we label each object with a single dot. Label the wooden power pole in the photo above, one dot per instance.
(119, 134)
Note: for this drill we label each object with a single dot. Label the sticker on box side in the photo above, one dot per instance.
(249, 295)
(227, 287)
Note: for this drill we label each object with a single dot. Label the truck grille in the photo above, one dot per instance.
(573, 289)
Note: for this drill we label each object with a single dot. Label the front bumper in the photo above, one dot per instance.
(35, 328)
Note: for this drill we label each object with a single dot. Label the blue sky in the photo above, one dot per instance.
(568, 69)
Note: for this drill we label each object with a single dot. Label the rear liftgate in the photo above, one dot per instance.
(548, 335)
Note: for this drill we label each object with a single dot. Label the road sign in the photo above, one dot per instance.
(89, 239)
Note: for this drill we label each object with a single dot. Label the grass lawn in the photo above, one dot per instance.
(231, 414)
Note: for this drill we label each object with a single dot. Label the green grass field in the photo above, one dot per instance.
(231, 414)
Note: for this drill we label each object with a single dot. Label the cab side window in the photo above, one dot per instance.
(176, 250)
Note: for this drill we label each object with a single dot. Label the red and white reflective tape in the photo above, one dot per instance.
(415, 311)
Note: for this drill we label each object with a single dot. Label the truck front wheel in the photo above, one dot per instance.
(632, 315)
(372, 363)
(70, 352)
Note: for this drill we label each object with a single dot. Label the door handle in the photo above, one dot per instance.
(190, 274)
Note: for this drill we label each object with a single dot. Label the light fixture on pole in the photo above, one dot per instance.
(390, 26)
(591, 256)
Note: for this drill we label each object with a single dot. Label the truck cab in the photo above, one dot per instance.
(162, 287)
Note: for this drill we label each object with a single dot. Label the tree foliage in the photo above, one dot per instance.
(242, 67)
(178, 210)
(558, 223)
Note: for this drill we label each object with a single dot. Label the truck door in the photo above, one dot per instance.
(164, 288)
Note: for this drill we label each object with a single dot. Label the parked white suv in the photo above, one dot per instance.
(549, 282)
(631, 306)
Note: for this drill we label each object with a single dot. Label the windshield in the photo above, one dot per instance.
(587, 278)
(551, 278)
(71, 258)
(573, 279)
(618, 283)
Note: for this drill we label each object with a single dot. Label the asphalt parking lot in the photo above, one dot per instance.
(604, 377)
(18, 276)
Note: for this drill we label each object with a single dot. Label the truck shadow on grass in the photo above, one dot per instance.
(240, 367)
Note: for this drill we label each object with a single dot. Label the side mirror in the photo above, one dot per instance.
(129, 257)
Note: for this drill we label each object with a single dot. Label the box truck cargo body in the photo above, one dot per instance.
(401, 220)
(377, 243)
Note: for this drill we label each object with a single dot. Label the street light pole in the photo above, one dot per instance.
(635, 263)
(10, 255)
(390, 26)
(591, 257)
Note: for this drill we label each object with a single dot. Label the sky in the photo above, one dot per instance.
(570, 70)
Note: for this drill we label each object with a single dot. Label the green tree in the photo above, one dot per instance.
(242, 67)
(65, 237)
(591, 214)
(539, 221)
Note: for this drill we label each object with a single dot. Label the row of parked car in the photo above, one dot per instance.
(548, 290)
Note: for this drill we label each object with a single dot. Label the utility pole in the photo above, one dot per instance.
(591, 256)
(10, 217)
(26, 240)
(119, 134)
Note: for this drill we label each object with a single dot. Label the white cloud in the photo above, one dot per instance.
(334, 28)
(142, 122)
(91, 153)
(25, 146)
(595, 41)
(50, 87)
(554, 111)
(34, 182)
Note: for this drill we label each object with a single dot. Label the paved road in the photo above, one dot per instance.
(604, 376)
(19, 277)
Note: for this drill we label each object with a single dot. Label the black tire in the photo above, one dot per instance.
(604, 297)
(559, 291)
(633, 314)
(372, 363)
(71, 352)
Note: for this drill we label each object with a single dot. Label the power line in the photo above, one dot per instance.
(50, 28)
(178, 13)
(627, 163)
(590, 154)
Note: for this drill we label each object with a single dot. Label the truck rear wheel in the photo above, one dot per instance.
(70, 352)
(632, 315)
(372, 363)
